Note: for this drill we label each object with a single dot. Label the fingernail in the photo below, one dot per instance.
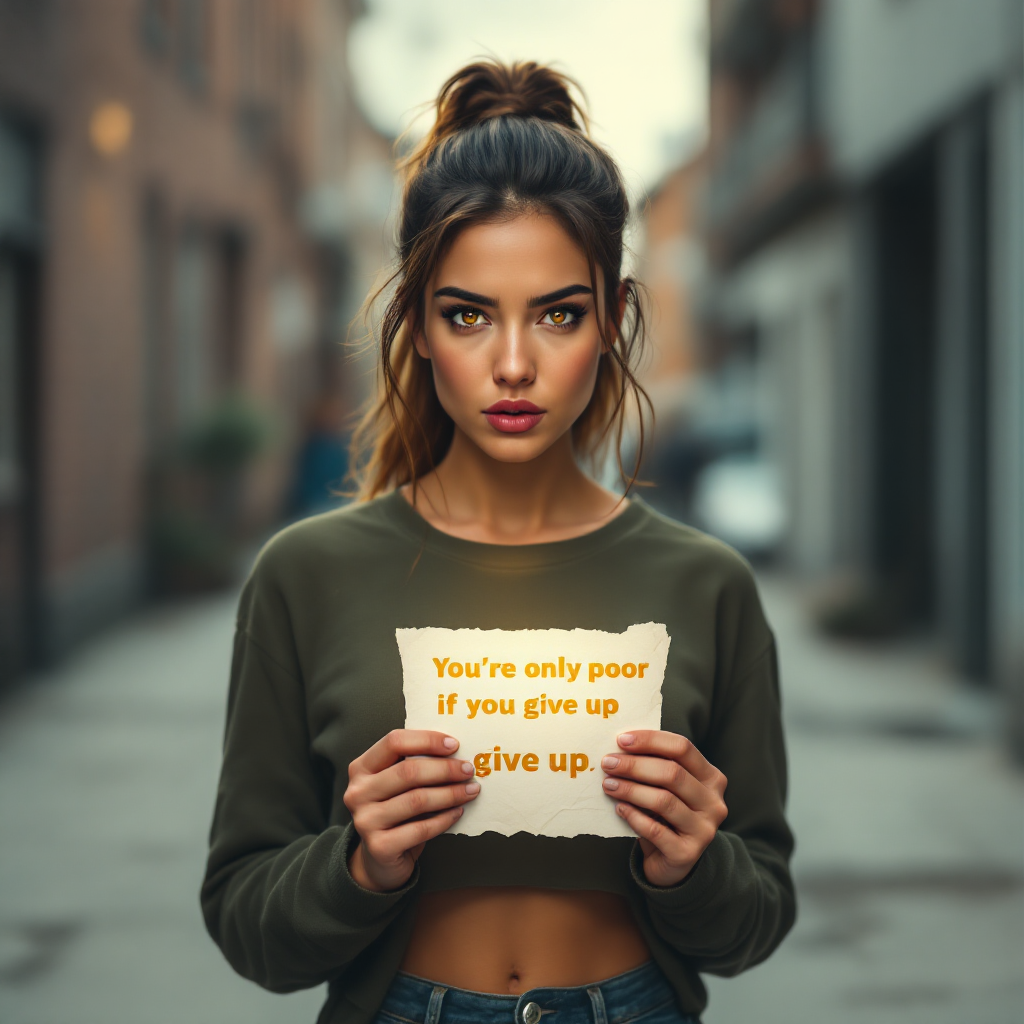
(450, 742)
(611, 783)
(467, 768)
(472, 787)
(625, 739)
(620, 810)
(609, 762)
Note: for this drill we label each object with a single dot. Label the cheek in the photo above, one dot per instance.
(574, 373)
(457, 375)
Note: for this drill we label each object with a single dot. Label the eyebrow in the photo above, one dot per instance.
(562, 293)
(538, 300)
(461, 293)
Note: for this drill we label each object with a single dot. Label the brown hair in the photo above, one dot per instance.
(508, 139)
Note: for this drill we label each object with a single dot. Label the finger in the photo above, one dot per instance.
(389, 845)
(679, 749)
(400, 743)
(663, 773)
(413, 804)
(676, 849)
(657, 801)
(412, 773)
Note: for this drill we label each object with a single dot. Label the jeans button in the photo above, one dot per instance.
(531, 1014)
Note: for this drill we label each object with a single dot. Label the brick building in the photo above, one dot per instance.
(155, 160)
(673, 262)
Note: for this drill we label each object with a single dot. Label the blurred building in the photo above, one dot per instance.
(671, 267)
(865, 215)
(163, 254)
(672, 271)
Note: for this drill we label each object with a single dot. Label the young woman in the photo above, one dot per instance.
(507, 355)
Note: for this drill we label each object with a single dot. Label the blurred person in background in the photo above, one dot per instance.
(508, 352)
(321, 463)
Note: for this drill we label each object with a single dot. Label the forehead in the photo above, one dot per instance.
(522, 256)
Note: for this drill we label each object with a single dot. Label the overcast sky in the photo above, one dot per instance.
(640, 63)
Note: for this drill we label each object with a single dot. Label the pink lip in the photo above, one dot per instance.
(513, 416)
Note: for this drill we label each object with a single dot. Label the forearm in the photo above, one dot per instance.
(731, 912)
(291, 918)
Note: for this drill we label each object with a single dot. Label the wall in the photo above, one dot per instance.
(141, 234)
(1007, 390)
(796, 292)
(896, 68)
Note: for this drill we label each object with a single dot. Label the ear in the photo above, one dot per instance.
(419, 342)
(618, 314)
(622, 296)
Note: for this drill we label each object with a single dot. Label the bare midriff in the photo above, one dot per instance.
(508, 940)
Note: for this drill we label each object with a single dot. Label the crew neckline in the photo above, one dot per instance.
(550, 552)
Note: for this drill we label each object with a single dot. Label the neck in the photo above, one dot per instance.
(474, 496)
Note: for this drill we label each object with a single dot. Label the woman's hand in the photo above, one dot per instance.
(399, 799)
(671, 797)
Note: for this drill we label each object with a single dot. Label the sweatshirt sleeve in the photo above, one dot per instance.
(738, 903)
(278, 898)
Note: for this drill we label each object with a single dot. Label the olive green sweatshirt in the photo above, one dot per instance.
(316, 679)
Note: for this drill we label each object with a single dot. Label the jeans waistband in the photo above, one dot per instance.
(616, 1000)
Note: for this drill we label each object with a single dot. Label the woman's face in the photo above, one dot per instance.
(511, 330)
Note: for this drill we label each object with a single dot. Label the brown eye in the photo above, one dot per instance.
(560, 317)
(467, 317)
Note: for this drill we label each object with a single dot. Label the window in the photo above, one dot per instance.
(9, 439)
(194, 43)
(19, 211)
(155, 25)
(193, 311)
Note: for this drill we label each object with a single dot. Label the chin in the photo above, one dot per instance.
(514, 448)
(514, 451)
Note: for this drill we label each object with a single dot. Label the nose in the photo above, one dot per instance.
(513, 362)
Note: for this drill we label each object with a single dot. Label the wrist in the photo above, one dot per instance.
(667, 879)
(362, 876)
(357, 869)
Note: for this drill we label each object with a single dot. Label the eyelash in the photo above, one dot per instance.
(578, 313)
(450, 312)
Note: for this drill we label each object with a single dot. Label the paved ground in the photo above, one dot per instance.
(910, 857)
(910, 822)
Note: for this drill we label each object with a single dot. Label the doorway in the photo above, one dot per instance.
(906, 236)
(20, 607)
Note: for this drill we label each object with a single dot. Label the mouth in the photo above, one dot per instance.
(513, 416)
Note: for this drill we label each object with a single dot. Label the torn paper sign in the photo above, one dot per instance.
(535, 710)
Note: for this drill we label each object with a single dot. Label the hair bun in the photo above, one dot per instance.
(489, 89)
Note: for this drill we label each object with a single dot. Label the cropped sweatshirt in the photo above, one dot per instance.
(316, 679)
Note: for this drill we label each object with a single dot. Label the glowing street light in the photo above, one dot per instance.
(110, 127)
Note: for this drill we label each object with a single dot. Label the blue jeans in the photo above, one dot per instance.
(640, 996)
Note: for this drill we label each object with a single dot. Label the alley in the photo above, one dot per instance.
(107, 776)
(908, 815)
